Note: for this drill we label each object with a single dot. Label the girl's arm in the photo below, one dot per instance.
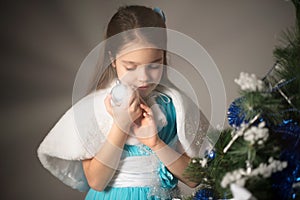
(100, 169)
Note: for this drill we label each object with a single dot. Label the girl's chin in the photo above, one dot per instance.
(144, 93)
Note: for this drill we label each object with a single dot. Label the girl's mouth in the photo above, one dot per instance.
(143, 87)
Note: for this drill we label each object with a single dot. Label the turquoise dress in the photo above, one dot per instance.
(165, 185)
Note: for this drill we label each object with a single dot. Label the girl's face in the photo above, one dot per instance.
(141, 69)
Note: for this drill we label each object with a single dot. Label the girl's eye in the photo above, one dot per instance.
(154, 66)
(130, 68)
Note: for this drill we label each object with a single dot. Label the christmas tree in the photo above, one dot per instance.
(259, 156)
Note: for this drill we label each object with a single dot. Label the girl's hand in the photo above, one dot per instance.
(145, 128)
(126, 114)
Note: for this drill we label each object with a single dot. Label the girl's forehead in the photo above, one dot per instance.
(142, 56)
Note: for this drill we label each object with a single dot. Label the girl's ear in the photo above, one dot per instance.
(113, 62)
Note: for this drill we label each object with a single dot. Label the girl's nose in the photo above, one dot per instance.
(142, 74)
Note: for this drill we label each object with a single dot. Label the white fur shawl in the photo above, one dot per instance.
(81, 131)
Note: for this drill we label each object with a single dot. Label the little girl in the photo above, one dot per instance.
(137, 150)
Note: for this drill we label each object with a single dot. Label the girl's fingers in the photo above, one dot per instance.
(107, 101)
(134, 104)
(146, 114)
(107, 98)
(146, 109)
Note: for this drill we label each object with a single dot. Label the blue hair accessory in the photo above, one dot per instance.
(160, 12)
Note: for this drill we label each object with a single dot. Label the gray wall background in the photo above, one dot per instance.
(43, 44)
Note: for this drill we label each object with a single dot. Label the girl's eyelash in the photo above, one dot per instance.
(130, 68)
(151, 66)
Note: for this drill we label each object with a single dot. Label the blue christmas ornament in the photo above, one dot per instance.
(205, 194)
(235, 115)
(211, 155)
